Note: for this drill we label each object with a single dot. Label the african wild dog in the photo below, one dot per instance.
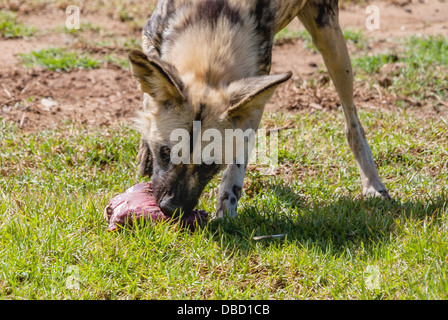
(209, 61)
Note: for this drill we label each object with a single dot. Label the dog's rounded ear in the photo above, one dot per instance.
(157, 78)
(250, 94)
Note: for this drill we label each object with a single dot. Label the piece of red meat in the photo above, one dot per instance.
(138, 203)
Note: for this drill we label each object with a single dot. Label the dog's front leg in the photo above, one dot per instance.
(230, 190)
(250, 95)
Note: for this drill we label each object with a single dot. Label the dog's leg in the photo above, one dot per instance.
(320, 18)
(231, 187)
(230, 190)
(250, 97)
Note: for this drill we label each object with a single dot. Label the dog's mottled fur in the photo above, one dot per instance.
(209, 61)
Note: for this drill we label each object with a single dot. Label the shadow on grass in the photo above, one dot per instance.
(343, 223)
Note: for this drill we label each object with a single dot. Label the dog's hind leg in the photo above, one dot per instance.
(320, 18)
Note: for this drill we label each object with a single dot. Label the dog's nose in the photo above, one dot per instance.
(168, 207)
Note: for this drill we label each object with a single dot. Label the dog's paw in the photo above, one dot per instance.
(380, 193)
(228, 213)
(227, 208)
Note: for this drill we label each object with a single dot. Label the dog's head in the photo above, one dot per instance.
(184, 124)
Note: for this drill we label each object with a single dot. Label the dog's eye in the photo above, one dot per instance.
(165, 154)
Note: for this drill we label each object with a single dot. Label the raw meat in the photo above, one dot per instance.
(138, 203)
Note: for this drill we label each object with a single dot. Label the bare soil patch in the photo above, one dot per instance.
(96, 97)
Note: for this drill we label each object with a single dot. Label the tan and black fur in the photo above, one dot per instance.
(209, 61)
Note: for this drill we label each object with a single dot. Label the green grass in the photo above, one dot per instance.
(419, 60)
(83, 27)
(357, 38)
(117, 60)
(287, 35)
(373, 64)
(11, 28)
(56, 183)
(60, 60)
(423, 67)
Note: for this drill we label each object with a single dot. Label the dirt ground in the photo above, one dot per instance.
(109, 95)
